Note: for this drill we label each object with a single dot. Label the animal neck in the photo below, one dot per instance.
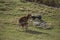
(28, 16)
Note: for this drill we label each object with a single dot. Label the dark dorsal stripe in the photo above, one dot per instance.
(38, 16)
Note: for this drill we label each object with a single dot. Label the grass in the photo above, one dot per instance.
(9, 20)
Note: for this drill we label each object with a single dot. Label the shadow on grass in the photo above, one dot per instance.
(35, 32)
(50, 28)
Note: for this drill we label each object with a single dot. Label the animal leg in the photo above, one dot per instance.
(26, 27)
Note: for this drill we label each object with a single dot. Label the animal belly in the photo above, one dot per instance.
(43, 25)
(36, 23)
(23, 22)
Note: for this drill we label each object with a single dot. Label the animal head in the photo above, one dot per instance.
(29, 15)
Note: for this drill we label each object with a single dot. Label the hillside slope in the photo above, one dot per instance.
(53, 3)
(11, 11)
